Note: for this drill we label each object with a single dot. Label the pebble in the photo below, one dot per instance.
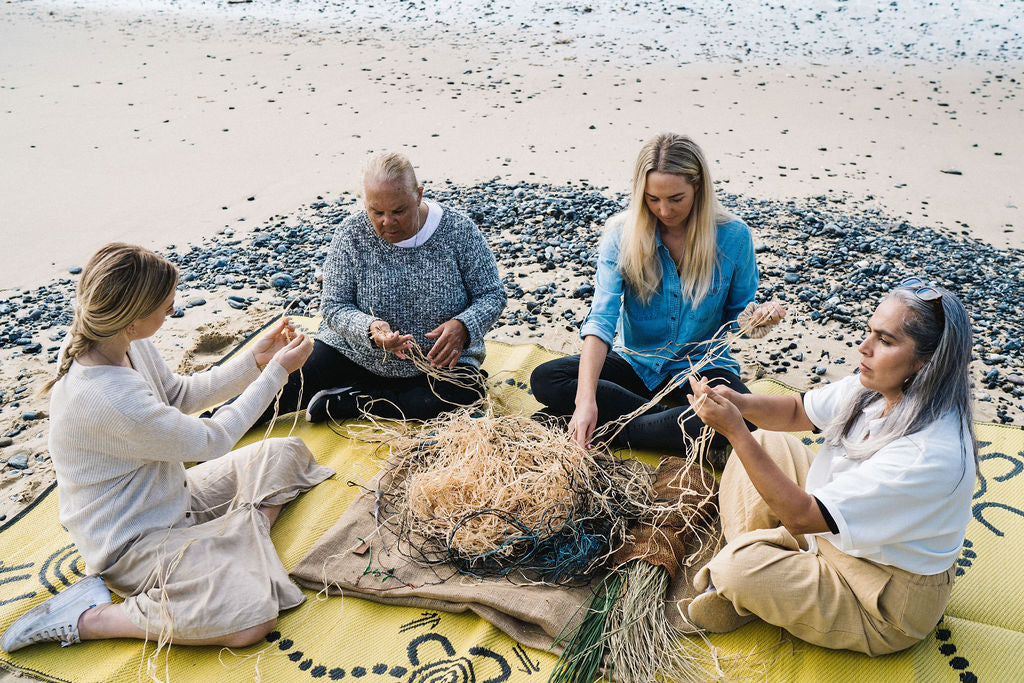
(281, 280)
(30, 416)
(5, 441)
(18, 461)
(75, 270)
(192, 303)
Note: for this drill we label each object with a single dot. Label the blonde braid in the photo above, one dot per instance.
(77, 344)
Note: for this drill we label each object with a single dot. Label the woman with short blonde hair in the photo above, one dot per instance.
(673, 269)
(403, 271)
(168, 540)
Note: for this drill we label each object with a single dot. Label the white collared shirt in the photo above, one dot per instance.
(907, 505)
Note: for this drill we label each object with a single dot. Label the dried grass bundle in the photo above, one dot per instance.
(626, 629)
(493, 494)
(497, 464)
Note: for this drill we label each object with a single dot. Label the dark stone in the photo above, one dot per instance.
(281, 280)
(18, 461)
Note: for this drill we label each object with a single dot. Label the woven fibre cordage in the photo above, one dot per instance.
(347, 638)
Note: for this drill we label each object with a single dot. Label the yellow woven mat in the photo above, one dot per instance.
(337, 638)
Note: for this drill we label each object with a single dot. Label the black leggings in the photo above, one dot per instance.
(412, 398)
(619, 392)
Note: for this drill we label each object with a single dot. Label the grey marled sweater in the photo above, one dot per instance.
(451, 275)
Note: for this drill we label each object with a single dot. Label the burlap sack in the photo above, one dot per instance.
(355, 558)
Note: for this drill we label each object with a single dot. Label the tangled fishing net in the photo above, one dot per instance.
(496, 494)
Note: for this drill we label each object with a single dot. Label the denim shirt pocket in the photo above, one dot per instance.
(713, 303)
(637, 310)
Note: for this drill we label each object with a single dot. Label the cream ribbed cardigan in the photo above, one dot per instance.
(119, 438)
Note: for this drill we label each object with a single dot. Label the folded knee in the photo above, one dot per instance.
(545, 381)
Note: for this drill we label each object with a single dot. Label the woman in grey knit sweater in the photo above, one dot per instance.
(403, 271)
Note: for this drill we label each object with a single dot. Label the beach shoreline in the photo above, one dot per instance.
(205, 133)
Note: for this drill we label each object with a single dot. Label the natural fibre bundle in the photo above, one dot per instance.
(625, 628)
(495, 495)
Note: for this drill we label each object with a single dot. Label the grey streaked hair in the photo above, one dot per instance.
(941, 386)
(391, 167)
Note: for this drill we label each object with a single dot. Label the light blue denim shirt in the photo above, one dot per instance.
(668, 327)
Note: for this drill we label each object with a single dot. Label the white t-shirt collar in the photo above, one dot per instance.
(434, 213)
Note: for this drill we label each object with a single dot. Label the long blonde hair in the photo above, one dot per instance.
(638, 263)
(121, 284)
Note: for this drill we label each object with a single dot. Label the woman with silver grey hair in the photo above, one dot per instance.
(853, 547)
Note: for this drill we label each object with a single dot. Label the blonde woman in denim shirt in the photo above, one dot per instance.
(673, 268)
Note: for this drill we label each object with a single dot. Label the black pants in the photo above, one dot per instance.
(620, 391)
(413, 398)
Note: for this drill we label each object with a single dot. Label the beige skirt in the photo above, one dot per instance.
(222, 574)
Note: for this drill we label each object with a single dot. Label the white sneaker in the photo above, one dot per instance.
(57, 618)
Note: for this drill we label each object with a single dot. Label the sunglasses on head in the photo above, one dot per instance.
(926, 292)
(922, 289)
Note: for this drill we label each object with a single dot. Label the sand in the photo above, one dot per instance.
(165, 124)
(116, 128)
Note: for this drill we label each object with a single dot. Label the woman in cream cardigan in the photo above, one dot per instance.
(189, 550)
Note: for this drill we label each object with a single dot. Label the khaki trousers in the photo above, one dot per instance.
(829, 598)
(221, 574)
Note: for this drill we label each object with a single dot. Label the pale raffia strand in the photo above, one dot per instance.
(716, 348)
